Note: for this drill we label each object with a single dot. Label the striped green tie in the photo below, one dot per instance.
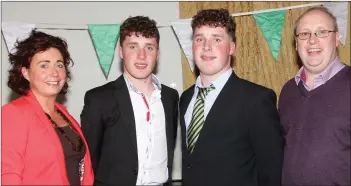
(197, 120)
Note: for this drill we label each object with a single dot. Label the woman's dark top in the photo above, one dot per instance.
(72, 157)
(73, 149)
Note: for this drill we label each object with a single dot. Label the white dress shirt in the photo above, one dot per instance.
(151, 135)
(210, 98)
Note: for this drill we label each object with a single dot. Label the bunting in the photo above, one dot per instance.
(184, 33)
(14, 31)
(104, 37)
(340, 11)
(271, 25)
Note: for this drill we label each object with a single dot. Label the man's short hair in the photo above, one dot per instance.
(322, 9)
(142, 25)
(215, 18)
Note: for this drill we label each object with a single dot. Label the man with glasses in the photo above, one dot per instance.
(314, 106)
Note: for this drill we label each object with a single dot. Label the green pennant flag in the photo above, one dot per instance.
(104, 38)
(272, 24)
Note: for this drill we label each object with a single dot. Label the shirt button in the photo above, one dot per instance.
(189, 166)
(135, 171)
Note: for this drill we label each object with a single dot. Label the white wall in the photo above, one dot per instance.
(86, 72)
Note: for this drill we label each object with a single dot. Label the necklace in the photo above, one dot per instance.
(76, 148)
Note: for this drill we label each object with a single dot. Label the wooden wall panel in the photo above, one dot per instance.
(253, 60)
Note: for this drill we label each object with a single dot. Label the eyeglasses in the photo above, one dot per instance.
(319, 34)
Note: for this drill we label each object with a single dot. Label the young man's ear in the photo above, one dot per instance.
(120, 52)
(232, 48)
(158, 55)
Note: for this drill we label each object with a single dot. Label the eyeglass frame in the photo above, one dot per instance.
(315, 33)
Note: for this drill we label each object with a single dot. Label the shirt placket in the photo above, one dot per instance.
(149, 145)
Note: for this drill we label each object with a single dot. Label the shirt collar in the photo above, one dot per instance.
(155, 81)
(300, 75)
(324, 76)
(218, 83)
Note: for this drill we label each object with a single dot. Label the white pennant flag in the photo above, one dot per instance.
(15, 30)
(340, 11)
(184, 33)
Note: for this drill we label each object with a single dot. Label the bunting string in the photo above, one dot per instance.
(270, 21)
(85, 26)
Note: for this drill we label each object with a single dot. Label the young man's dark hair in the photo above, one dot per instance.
(139, 25)
(215, 18)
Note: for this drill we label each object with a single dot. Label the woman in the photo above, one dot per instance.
(42, 144)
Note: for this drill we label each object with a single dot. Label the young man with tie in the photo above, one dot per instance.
(231, 133)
